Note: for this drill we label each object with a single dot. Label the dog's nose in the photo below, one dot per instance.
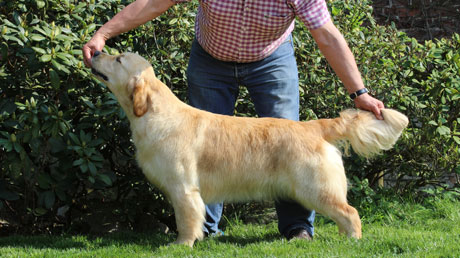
(96, 53)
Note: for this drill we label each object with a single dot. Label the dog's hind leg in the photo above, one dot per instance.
(345, 216)
(337, 208)
(332, 202)
(326, 192)
(334, 205)
(189, 212)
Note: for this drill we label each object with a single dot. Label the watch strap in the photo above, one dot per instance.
(358, 93)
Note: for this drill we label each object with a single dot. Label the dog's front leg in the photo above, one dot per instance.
(189, 211)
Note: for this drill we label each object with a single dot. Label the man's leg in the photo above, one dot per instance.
(211, 87)
(274, 88)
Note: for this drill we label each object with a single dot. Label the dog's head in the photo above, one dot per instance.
(129, 76)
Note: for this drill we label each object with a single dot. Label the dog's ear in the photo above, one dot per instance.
(139, 95)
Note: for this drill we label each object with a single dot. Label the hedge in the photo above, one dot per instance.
(65, 145)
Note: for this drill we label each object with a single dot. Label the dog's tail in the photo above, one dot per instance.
(366, 134)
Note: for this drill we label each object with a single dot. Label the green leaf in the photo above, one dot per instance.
(92, 168)
(64, 38)
(84, 167)
(335, 11)
(55, 80)
(8, 23)
(37, 37)
(8, 195)
(49, 198)
(61, 194)
(40, 4)
(456, 139)
(173, 21)
(45, 31)
(91, 27)
(77, 17)
(81, 7)
(84, 137)
(78, 162)
(106, 179)
(74, 138)
(56, 65)
(88, 103)
(94, 143)
(4, 141)
(17, 147)
(45, 58)
(76, 52)
(64, 127)
(97, 158)
(56, 145)
(39, 50)
(40, 211)
(66, 58)
(13, 38)
(443, 130)
(59, 66)
(44, 181)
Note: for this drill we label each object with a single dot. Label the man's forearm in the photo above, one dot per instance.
(134, 15)
(334, 47)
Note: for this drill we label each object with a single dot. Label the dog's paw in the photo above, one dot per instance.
(183, 242)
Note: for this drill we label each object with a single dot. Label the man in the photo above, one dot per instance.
(249, 43)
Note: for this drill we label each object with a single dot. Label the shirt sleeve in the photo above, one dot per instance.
(313, 13)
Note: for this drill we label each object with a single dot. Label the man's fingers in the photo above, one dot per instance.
(379, 107)
(369, 103)
(93, 45)
(377, 112)
(87, 56)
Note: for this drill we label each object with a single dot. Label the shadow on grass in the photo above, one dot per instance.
(151, 241)
(247, 240)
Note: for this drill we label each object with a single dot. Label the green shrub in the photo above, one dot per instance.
(421, 80)
(65, 143)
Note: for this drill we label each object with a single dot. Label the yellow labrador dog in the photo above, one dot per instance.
(197, 157)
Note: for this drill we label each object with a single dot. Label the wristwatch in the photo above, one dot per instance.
(358, 93)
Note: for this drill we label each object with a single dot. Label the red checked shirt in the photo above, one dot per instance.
(249, 30)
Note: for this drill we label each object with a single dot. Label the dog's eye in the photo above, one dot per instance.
(118, 59)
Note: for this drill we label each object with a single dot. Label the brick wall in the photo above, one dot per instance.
(422, 19)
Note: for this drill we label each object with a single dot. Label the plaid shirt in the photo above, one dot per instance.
(249, 30)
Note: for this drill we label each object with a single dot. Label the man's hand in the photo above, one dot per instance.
(132, 16)
(369, 103)
(96, 43)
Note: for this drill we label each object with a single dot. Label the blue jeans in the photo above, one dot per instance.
(273, 85)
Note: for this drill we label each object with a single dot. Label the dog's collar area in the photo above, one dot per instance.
(97, 73)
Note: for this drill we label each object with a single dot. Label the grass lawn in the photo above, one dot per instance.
(398, 229)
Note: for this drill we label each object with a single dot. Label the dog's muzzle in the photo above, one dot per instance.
(99, 74)
(96, 72)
